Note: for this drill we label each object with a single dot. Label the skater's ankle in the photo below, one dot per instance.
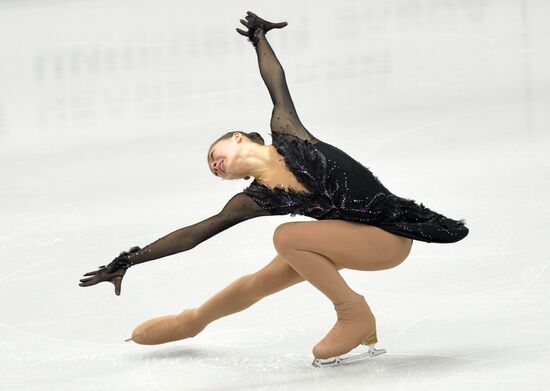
(196, 315)
(352, 297)
(193, 322)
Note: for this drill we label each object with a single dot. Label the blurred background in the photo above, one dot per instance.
(107, 110)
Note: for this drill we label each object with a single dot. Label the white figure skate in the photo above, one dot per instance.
(335, 361)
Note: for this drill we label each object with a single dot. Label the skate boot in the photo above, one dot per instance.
(355, 326)
(168, 328)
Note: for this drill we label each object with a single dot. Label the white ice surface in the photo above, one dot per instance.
(107, 109)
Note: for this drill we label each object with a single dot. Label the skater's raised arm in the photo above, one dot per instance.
(284, 118)
(273, 74)
(239, 208)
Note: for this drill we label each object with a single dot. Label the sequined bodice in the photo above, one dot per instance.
(336, 182)
(342, 188)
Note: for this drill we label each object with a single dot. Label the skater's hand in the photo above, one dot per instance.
(101, 275)
(113, 272)
(254, 22)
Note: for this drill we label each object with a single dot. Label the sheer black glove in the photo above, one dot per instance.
(254, 23)
(113, 272)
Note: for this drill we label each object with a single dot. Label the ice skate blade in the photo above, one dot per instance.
(128, 340)
(332, 362)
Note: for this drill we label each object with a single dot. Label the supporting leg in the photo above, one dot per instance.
(355, 321)
(314, 267)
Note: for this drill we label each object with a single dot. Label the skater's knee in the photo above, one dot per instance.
(283, 237)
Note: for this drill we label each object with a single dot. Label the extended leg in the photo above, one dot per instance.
(237, 296)
(247, 290)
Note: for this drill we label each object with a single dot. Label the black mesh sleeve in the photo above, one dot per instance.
(284, 118)
(239, 208)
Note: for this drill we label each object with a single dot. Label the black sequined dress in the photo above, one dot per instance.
(339, 186)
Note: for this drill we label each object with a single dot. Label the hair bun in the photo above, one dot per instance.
(256, 137)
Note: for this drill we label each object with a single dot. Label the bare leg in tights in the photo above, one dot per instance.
(237, 296)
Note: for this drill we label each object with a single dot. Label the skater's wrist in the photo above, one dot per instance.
(255, 36)
(259, 32)
(124, 260)
(146, 254)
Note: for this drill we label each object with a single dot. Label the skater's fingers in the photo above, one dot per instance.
(87, 283)
(116, 282)
(242, 32)
(244, 22)
(91, 273)
(279, 25)
(86, 279)
(252, 14)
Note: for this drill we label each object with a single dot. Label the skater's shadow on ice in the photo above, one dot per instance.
(216, 357)
(179, 352)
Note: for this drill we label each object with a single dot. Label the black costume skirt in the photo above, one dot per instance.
(404, 217)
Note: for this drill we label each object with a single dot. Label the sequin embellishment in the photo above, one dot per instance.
(329, 197)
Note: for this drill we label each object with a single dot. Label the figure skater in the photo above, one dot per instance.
(359, 224)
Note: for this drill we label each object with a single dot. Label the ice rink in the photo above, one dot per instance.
(107, 110)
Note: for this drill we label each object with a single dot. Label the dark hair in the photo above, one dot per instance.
(255, 137)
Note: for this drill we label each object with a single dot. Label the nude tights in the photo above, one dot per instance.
(237, 296)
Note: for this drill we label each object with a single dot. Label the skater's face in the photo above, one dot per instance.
(225, 158)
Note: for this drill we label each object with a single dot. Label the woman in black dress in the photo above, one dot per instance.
(359, 224)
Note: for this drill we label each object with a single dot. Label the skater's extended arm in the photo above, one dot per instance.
(284, 117)
(239, 208)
